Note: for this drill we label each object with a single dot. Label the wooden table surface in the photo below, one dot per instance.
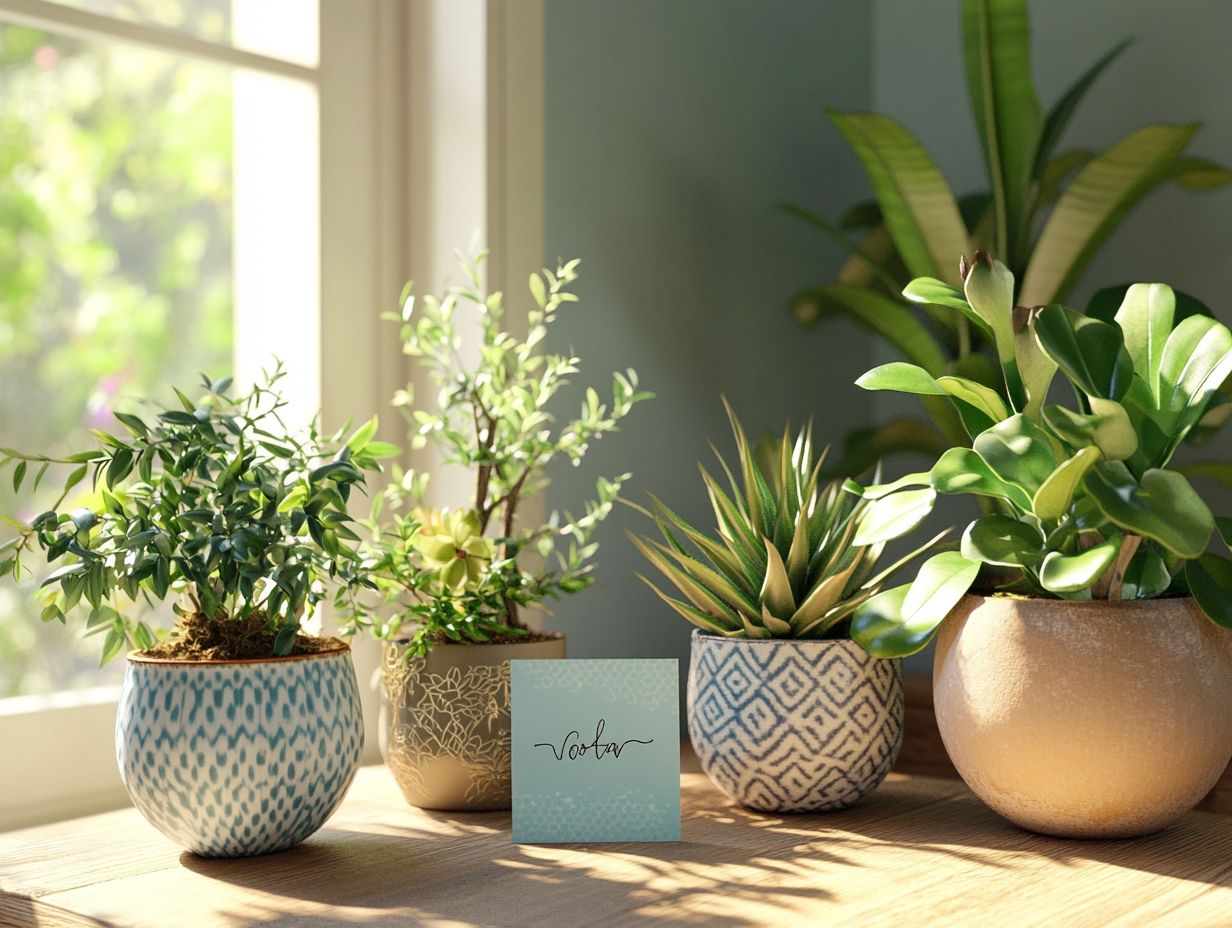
(920, 851)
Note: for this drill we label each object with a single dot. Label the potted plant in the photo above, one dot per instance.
(1080, 690)
(785, 711)
(1046, 210)
(454, 582)
(238, 734)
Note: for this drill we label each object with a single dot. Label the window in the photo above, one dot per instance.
(277, 170)
(158, 218)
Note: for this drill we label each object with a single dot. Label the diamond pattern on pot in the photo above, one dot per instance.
(793, 726)
(239, 759)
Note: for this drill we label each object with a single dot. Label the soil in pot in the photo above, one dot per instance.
(198, 638)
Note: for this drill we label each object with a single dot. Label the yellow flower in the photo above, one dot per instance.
(452, 543)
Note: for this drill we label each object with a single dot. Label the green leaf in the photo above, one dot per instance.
(119, 468)
(989, 288)
(113, 644)
(1147, 575)
(1105, 303)
(903, 620)
(893, 516)
(1164, 507)
(1197, 359)
(976, 396)
(1145, 318)
(362, 436)
(382, 449)
(997, 539)
(1092, 354)
(880, 315)
(1053, 497)
(1201, 173)
(284, 641)
(1209, 577)
(1063, 110)
(961, 470)
(1018, 451)
(1094, 204)
(997, 51)
(1063, 573)
(1111, 431)
(19, 474)
(902, 377)
(917, 204)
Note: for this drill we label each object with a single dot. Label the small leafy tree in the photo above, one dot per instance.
(214, 500)
(464, 573)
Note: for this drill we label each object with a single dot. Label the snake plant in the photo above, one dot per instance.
(792, 557)
(1045, 211)
(1081, 500)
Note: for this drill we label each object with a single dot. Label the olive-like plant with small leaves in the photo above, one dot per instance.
(463, 573)
(214, 501)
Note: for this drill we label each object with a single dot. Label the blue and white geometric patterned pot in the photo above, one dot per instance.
(238, 758)
(782, 725)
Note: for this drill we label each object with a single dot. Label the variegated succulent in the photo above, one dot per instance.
(792, 557)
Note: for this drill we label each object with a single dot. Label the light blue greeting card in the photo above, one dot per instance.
(596, 751)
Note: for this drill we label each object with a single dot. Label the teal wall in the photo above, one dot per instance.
(672, 129)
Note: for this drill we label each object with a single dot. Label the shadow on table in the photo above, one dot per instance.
(959, 826)
(448, 867)
(414, 874)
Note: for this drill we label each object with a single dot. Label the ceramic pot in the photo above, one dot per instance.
(1085, 719)
(239, 758)
(793, 726)
(445, 722)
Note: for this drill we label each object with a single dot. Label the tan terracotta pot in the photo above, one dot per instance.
(1085, 719)
(445, 721)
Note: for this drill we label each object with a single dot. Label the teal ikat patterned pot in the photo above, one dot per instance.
(239, 758)
(782, 725)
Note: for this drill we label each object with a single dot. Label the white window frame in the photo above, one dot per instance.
(422, 150)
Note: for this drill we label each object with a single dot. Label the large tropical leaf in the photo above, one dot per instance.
(997, 50)
(916, 201)
(1094, 205)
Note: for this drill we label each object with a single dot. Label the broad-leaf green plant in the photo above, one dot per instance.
(1045, 211)
(212, 501)
(792, 556)
(1081, 500)
(463, 573)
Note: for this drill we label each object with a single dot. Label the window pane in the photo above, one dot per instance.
(285, 29)
(124, 175)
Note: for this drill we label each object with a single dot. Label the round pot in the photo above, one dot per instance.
(1085, 719)
(445, 722)
(793, 726)
(239, 758)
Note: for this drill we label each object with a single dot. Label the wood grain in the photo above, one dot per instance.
(920, 851)
(923, 752)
